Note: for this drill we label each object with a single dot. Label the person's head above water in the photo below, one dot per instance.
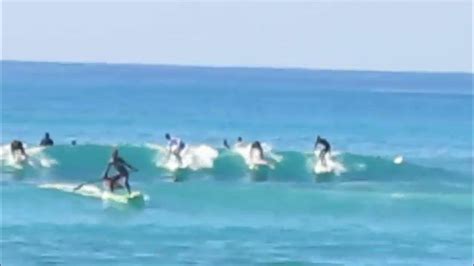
(239, 139)
(167, 136)
(46, 135)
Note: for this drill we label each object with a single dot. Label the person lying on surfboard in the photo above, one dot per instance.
(120, 166)
(17, 146)
(326, 149)
(175, 146)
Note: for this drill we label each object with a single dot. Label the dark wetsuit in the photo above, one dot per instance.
(46, 142)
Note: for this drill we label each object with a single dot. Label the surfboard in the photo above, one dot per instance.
(134, 198)
(93, 191)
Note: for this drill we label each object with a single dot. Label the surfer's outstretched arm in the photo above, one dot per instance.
(317, 142)
(22, 150)
(122, 161)
(130, 166)
(106, 172)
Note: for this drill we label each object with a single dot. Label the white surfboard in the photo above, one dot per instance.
(93, 191)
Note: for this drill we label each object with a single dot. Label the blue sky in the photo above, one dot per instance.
(384, 35)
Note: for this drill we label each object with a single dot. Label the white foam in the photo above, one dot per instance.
(398, 159)
(397, 195)
(331, 165)
(192, 157)
(35, 158)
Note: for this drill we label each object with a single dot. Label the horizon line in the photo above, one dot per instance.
(281, 68)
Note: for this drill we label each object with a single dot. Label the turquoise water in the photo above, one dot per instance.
(376, 212)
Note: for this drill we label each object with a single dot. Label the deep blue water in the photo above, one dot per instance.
(375, 213)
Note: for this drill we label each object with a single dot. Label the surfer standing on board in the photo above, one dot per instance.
(120, 166)
(175, 146)
(326, 149)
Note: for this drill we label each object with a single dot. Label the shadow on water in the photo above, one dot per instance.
(260, 174)
(180, 175)
(324, 178)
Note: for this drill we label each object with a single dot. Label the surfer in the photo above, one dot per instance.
(46, 141)
(256, 147)
(121, 166)
(17, 146)
(226, 144)
(240, 143)
(326, 149)
(257, 157)
(175, 146)
(237, 144)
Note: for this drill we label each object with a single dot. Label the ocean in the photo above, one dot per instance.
(218, 211)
